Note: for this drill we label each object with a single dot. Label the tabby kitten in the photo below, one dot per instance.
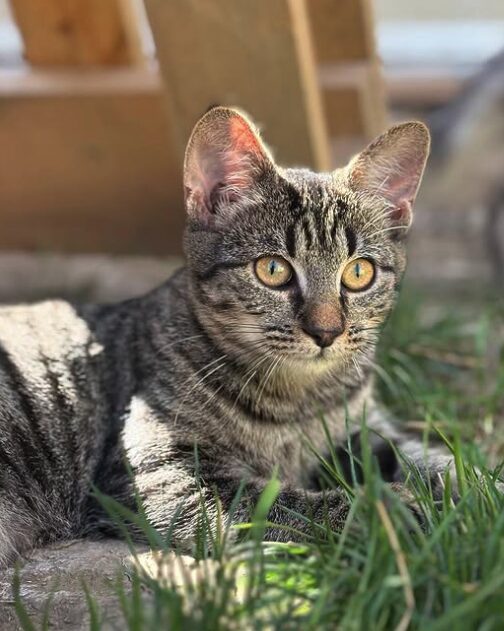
(275, 318)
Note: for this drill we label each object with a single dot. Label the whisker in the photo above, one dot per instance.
(222, 359)
(269, 373)
(387, 230)
(253, 371)
(179, 341)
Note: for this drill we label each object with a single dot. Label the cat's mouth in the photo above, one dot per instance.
(319, 356)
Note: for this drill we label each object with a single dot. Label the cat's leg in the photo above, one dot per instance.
(292, 514)
(179, 503)
(178, 489)
(431, 461)
(16, 531)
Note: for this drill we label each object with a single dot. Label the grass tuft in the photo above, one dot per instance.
(384, 570)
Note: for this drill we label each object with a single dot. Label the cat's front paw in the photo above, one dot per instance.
(436, 468)
(440, 473)
(408, 499)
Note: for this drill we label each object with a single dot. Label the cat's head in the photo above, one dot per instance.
(290, 264)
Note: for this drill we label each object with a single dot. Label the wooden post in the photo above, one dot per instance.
(255, 55)
(78, 32)
(349, 71)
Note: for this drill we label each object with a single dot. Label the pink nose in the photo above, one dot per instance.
(323, 323)
(323, 337)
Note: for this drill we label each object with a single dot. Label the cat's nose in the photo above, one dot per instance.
(323, 322)
(323, 337)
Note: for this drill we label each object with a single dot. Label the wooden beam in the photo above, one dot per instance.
(85, 167)
(354, 99)
(343, 30)
(349, 71)
(88, 160)
(78, 32)
(424, 86)
(255, 55)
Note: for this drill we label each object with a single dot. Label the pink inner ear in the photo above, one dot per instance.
(391, 167)
(401, 213)
(223, 170)
(398, 188)
(400, 191)
(242, 137)
(229, 169)
(403, 184)
(223, 162)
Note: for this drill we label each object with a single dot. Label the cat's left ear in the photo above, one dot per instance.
(224, 160)
(391, 167)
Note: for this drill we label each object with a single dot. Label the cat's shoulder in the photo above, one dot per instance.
(51, 329)
(45, 313)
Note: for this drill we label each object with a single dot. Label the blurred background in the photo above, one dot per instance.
(98, 97)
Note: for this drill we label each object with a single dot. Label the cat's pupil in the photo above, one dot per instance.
(272, 267)
(357, 270)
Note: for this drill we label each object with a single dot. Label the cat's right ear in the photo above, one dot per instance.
(224, 159)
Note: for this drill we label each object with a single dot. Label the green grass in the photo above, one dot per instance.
(450, 370)
(383, 571)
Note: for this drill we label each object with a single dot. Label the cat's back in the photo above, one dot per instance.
(43, 345)
(50, 331)
(51, 418)
(50, 401)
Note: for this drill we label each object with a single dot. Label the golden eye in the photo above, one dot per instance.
(358, 274)
(273, 271)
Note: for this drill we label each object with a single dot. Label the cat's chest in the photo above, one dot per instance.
(293, 451)
(296, 450)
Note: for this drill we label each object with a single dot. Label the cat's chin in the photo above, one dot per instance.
(318, 360)
(318, 354)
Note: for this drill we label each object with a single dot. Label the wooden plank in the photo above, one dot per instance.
(354, 99)
(343, 30)
(78, 32)
(255, 55)
(97, 82)
(89, 171)
(424, 86)
(349, 72)
(88, 162)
